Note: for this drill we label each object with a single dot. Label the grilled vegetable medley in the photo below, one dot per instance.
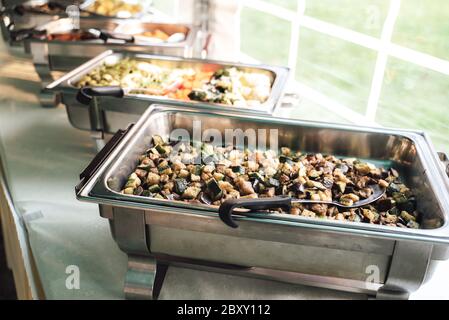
(229, 86)
(203, 173)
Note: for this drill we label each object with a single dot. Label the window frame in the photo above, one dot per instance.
(383, 46)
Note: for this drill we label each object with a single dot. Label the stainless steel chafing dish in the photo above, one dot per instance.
(8, 3)
(13, 18)
(327, 253)
(107, 114)
(19, 17)
(54, 55)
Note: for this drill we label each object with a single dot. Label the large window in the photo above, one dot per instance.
(379, 62)
(166, 7)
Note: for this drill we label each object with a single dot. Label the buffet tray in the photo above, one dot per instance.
(18, 17)
(13, 21)
(327, 253)
(55, 55)
(117, 113)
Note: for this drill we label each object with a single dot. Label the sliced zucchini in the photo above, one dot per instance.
(238, 169)
(161, 149)
(154, 188)
(285, 159)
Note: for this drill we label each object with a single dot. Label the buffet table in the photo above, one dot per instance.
(49, 234)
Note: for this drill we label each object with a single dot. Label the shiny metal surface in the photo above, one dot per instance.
(11, 20)
(117, 113)
(52, 55)
(444, 161)
(33, 19)
(229, 208)
(402, 149)
(9, 3)
(332, 253)
(28, 17)
(409, 260)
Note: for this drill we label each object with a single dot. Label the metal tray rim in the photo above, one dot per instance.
(436, 235)
(188, 41)
(64, 84)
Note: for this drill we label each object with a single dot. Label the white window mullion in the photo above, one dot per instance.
(382, 59)
(294, 36)
(383, 46)
(342, 33)
(421, 59)
(400, 52)
(271, 9)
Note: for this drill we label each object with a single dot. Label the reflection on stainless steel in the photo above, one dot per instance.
(52, 55)
(23, 20)
(333, 253)
(117, 113)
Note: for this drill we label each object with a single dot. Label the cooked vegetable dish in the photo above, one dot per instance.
(92, 34)
(229, 85)
(157, 33)
(78, 35)
(114, 8)
(203, 173)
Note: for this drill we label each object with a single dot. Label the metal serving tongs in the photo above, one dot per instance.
(226, 209)
(137, 39)
(106, 35)
(86, 94)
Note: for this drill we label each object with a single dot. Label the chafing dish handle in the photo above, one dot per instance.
(22, 34)
(104, 35)
(226, 208)
(4, 13)
(444, 158)
(86, 94)
(101, 157)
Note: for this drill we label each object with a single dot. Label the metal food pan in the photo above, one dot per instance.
(12, 20)
(11, 3)
(118, 112)
(328, 253)
(54, 55)
(18, 18)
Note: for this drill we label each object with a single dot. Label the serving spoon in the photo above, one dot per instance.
(226, 209)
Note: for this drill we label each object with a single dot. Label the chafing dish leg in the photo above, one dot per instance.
(96, 118)
(48, 99)
(384, 294)
(144, 277)
(98, 137)
(44, 73)
(407, 270)
(444, 157)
